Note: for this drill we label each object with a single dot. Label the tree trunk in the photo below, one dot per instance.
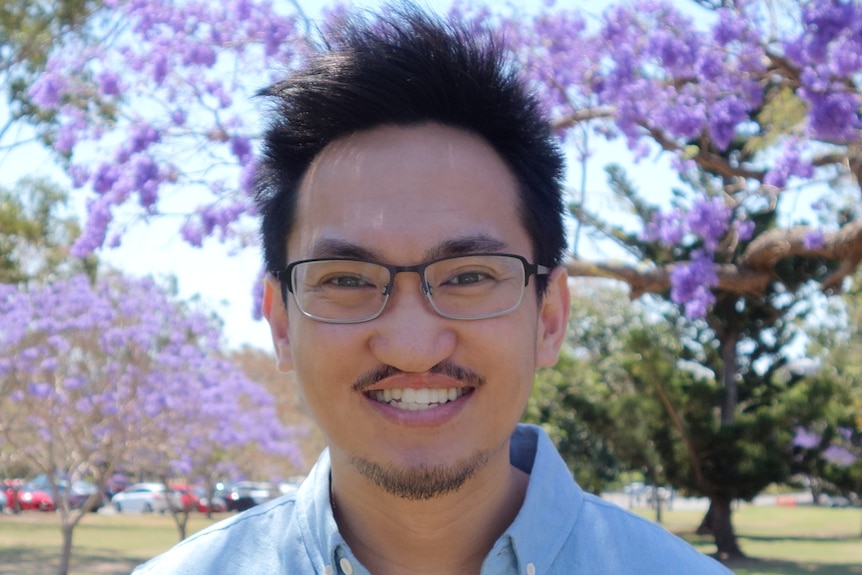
(718, 523)
(728, 376)
(66, 554)
(657, 500)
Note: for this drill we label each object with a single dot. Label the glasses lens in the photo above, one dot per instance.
(472, 287)
(340, 290)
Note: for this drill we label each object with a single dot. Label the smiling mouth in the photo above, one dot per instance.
(410, 399)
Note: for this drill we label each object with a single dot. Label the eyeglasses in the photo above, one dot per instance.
(341, 290)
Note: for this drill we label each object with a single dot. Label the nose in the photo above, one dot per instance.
(409, 335)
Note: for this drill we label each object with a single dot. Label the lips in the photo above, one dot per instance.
(412, 399)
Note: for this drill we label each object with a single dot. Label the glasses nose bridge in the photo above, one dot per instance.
(418, 269)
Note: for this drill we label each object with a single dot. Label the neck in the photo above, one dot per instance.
(449, 534)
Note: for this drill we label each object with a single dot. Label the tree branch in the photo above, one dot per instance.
(755, 269)
(657, 280)
(582, 115)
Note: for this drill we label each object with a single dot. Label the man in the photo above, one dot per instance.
(412, 221)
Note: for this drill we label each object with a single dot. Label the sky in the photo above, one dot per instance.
(223, 281)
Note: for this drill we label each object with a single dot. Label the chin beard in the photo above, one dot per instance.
(422, 482)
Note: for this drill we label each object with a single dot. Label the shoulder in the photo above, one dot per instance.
(254, 541)
(566, 530)
(622, 542)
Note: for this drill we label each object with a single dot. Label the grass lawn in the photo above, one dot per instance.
(778, 540)
(785, 540)
(103, 544)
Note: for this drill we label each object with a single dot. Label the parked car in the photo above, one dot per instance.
(34, 497)
(80, 493)
(290, 486)
(834, 501)
(143, 498)
(246, 494)
(219, 504)
(10, 487)
(186, 496)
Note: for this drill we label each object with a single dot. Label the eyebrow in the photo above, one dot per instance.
(465, 245)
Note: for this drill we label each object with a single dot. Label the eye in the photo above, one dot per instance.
(470, 276)
(345, 281)
(467, 278)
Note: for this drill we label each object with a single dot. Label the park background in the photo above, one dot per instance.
(713, 159)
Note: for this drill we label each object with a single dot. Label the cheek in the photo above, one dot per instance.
(325, 360)
(510, 356)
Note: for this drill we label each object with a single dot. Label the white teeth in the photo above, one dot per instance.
(411, 399)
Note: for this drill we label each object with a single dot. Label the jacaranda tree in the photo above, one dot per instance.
(753, 105)
(117, 375)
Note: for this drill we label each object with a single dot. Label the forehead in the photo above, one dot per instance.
(401, 192)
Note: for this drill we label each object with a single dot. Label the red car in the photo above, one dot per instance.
(187, 498)
(31, 497)
(219, 504)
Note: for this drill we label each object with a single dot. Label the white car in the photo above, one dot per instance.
(142, 498)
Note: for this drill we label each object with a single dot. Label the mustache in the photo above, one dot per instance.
(464, 375)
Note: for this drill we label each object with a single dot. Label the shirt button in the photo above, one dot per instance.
(346, 567)
(531, 569)
(327, 570)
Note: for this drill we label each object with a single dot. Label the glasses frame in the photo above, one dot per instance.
(285, 277)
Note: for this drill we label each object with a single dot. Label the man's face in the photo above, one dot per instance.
(403, 196)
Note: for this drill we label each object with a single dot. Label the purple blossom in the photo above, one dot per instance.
(39, 390)
(80, 175)
(805, 439)
(243, 10)
(666, 228)
(709, 219)
(826, 21)
(840, 456)
(47, 91)
(745, 230)
(833, 115)
(257, 295)
(241, 148)
(191, 233)
(247, 182)
(98, 217)
(142, 136)
(729, 27)
(789, 164)
(691, 282)
(200, 55)
(147, 179)
(813, 240)
(48, 364)
(109, 83)
(178, 117)
(724, 116)
(160, 69)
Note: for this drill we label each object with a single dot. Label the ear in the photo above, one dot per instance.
(274, 310)
(553, 318)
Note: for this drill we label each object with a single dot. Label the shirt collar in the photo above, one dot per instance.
(535, 536)
(551, 506)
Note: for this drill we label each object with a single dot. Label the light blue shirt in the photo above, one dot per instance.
(559, 530)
